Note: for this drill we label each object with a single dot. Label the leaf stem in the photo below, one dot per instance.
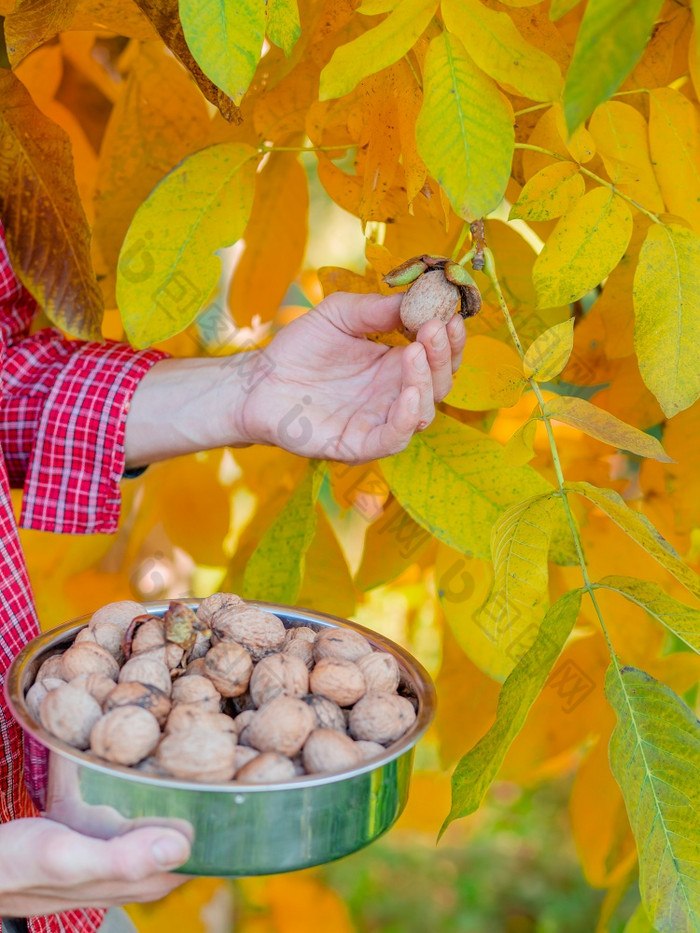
(460, 242)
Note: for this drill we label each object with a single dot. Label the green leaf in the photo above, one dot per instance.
(464, 130)
(226, 40)
(493, 41)
(167, 267)
(549, 353)
(667, 315)
(639, 922)
(655, 757)
(283, 26)
(559, 8)
(682, 620)
(455, 481)
(605, 427)
(519, 550)
(275, 569)
(47, 233)
(377, 48)
(584, 248)
(641, 530)
(550, 193)
(610, 42)
(476, 770)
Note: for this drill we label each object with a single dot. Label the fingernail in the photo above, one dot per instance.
(421, 363)
(170, 851)
(440, 339)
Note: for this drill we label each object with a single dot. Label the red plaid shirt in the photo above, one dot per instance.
(63, 407)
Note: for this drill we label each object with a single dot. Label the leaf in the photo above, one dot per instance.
(490, 376)
(493, 41)
(682, 620)
(550, 193)
(164, 16)
(667, 315)
(639, 922)
(655, 757)
(585, 246)
(549, 353)
(377, 48)
(610, 42)
(274, 249)
(455, 481)
(327, 584)
(519, 550)
(559, 8)
(641, 530)
(519, 448)
(598, 423)
(47, 234)
(674, 142)
(464, 130)
(167, 267)
(34, 22)
(392, 543)
(226, 40)
(275, 569)
(283, 26)
(373, 7)
(478, 768)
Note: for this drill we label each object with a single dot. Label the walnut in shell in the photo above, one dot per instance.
(195, 666)
(51, 667)
(150, 634)
(242, 754)
(69, 713)
(282, 725)
(267, 768)
(145, 696)
(184, 718)
(381, 717)
(368, 750)
(300, 648)
(197, 756)
(218, 604)
(125, 735)
(340, 643)
(242, 721)
(430, 296)
(338, 679)
(381, 672)
(327, 750)
(197, 690)
(229, 666)
(87, 658)
(120, 613)
(38, 691)
(259, 632)
(146, 670)
(276, 674)
(97, 685)
(328, 714)
(110, 636)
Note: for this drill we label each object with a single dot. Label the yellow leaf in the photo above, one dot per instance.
(167, 266)
(409, 98)
(464, 130)
(604, 427)
(393, 543)
(580, 143)
(45, 226)
(520, 446)
(674, 141)
(32, 23)
(549, 353)
(283, 27)
(377, 48)
(120, 16)
(586, 245)
(274, 247)
(694, 59)
(622, 140)
(549, 193)
(490, 376)
(374, 7)
(497, 47)
(327, 585)
(667, 315)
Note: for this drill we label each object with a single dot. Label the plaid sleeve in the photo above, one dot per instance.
(62, 427)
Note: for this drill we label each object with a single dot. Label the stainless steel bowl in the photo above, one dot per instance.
(239, 829)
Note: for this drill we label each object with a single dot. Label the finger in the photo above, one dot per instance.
(361, 314)
(433, 336)
(457, 334)
(416, 372)
(401, 424)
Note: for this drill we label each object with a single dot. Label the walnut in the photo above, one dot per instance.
(242, 721)
(184, 718)
(145, 670)
(38, 691)
(125, 735)
(197, 690)
(369, 750)
(338, 679)
(119, 613)
(381, 717)
(85, 634)
(109, 636)
(218, 604)
(242, 754)
(299, 648)
(267, 768)
(150, 634)
(69, 713)
(51, 667)
(170, 655)
(327, 750)
(87, 658)
(240, 703)
(381, 672)
(282, 725)
(259, 632)
(195, 667)
(97, 685)
(229, 666)
(132, 693)
(278, 673)
(328, 714)
(197, 756)
(340, 643)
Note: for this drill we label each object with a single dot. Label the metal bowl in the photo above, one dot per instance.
(239, 829)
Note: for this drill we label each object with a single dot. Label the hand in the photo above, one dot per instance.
(330, 392)
(46, 867)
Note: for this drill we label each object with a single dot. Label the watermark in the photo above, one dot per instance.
(571, 684)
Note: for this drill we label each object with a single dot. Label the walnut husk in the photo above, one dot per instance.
(125, 735)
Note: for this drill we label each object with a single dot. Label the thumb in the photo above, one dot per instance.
(362, 314)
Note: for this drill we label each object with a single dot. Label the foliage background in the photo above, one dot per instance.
(387, 176)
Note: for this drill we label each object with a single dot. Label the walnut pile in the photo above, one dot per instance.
(226, 693)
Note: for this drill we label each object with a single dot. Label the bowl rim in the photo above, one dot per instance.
(42, 645)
